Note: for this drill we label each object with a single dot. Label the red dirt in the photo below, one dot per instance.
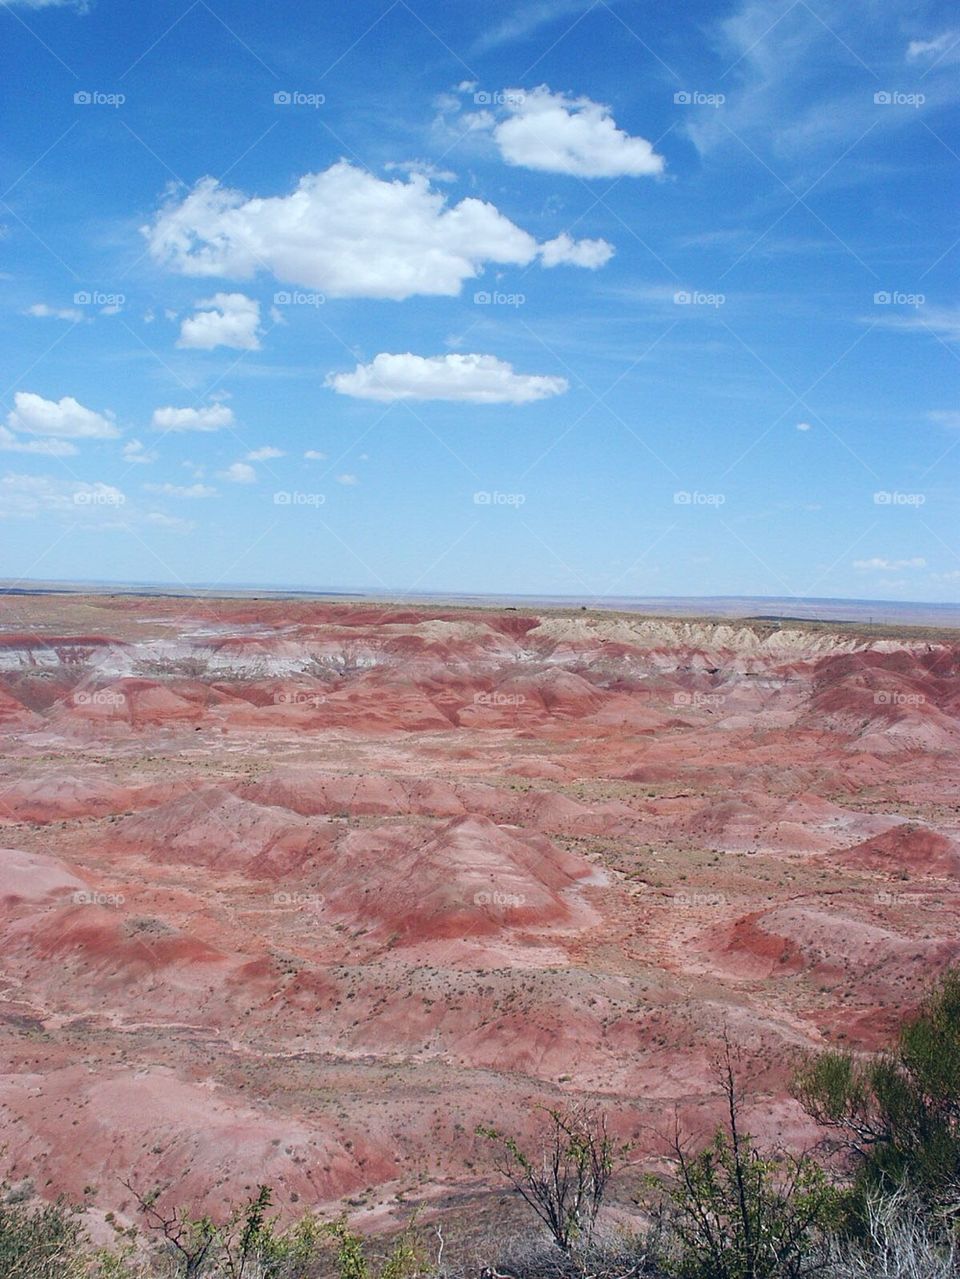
(302, 892)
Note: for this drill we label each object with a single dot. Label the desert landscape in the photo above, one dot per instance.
(303, 891)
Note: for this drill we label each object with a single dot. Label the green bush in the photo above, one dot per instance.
(734, 1213)
(45, 1241)
(897, 1115)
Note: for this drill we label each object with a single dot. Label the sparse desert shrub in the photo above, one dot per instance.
(404, 1260)
(249, 1245)
(565, 1181)
(607, 1256)
(41, 1241)
(735, 1213)
(901, 1241)
(897, 1115)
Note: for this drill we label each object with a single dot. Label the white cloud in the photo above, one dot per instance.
(890, 566)
(181, 490)
(945, 417)
(423, 167)
(239, 473)
(42, 311)
(343, 231)
(313, 455)
(64, 418)
(226, 319)
(523, 22)
(211, 418)
(171, 522)
(476, 379)
(82, 6)
(9, 443)
(565, 251)
(29, 496)
(264, 454)
(348, 480)
(940, 321)
(935, 49)
(557, 133)
(134, 451)
(804, 426)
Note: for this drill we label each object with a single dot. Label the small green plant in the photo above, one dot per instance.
(735, 1213)
(402, 1262)
(897, 1115)
(41, 1241)
(565, 1182)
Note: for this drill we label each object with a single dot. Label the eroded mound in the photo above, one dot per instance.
(303, 891)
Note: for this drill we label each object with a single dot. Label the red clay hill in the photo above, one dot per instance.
(302, 891)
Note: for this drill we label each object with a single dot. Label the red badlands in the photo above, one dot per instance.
(302, 892)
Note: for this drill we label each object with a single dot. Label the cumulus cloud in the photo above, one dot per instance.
(343, 231)
(948, 43)
(348, 480)
(557, 133)
(29, 496)
(475, 379)
(226, 319)
(42, 311)
(314, 455)
(10, 443)
(134, 451)
(65, 419)
(239, 473)
(171, 523)
(945, 417)
(264, 454)
(565, 251)
(181, 490)
(423, 167)
(890, 566)
(211, 418)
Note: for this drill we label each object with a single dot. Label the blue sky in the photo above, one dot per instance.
(558, 296)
